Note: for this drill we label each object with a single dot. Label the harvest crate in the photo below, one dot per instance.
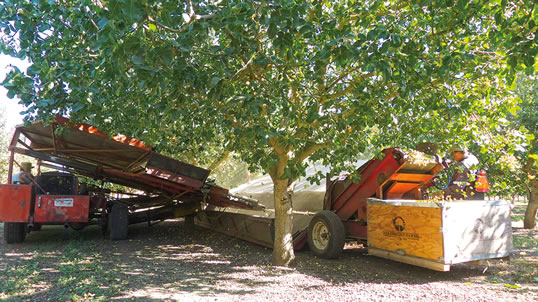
(436, 235)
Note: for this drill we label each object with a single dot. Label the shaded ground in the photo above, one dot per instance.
(171, 261)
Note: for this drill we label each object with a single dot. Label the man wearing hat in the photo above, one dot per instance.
(25, 176)
(460, 179)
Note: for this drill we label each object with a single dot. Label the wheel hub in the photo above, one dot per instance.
(320, 235)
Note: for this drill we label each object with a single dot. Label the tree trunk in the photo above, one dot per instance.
(219, 160)
(282, 192)
(283, 253)
(532, 206)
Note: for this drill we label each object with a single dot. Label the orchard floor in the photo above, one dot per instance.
(171, 261)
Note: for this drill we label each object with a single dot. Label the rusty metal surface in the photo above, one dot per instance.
(353, 200)
(86, 144)
(83, 149)
(15, 203)
(61, 208)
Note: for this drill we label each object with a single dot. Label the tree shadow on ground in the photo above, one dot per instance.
(171, 261)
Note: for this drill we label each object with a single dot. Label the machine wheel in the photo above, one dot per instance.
(118, 222)
(37, 227)
(326, 235)
(77, 226)
(14, 232)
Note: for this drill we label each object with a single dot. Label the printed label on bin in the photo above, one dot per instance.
(63, 202)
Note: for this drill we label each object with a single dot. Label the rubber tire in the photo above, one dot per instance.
(14, 232)
(77, 226)
(336, 231)
(37, 227)
(118, 222)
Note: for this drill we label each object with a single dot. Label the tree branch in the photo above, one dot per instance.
(351, 85)
(345, 74)
(234, 41)
(209, 53)
(246, 66)
(192, 18)
(91, 20)
(308, 150)
(219, 160)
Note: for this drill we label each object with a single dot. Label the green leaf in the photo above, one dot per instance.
(215, 81)
(77, 107)
(137, 60)
(11, 94)
(102, 23)
(152, 27)
(33, 70)
(514, 286)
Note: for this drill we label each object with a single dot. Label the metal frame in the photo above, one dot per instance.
(172, 187)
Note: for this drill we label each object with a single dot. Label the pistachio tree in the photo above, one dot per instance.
(274, 81)
(511, 152)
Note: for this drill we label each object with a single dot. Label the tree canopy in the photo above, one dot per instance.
(277, 81)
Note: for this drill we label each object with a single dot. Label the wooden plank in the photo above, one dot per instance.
(409, 259)
(406, 202)
(476, 230)
(407, 230)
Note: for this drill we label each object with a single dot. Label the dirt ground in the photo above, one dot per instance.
(174, 261)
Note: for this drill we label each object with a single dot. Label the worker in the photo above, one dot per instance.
(462, 177)
(24, 176)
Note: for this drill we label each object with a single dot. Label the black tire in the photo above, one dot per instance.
(118, 222)
(14, 232)
(326, 235)
(77, 226)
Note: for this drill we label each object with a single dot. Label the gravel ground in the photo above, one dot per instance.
(171, 261)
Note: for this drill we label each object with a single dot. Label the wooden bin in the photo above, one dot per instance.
(437, 234)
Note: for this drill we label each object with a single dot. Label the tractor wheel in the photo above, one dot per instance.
(118, 222)
(326, 235)
(14, 232)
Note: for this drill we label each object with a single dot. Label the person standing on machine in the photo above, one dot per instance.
(25, 176)
(462, 177)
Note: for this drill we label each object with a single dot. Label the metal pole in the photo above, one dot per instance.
(10, 169)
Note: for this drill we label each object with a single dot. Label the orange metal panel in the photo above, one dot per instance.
(15, 203)
(398, 189)
(61, 208)
(411, 177)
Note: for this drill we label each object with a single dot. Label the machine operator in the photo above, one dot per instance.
(25, 176)
(462, 177)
